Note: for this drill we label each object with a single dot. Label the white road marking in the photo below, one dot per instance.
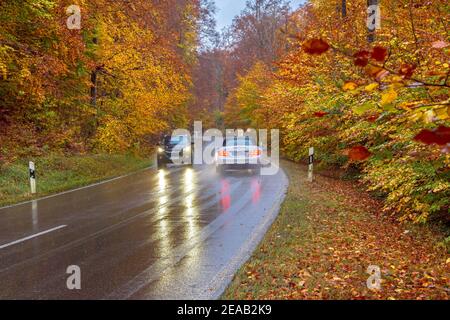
(77, 189)
(31, 237)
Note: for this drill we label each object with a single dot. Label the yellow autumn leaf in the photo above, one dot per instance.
(3, 71)
(429, 116)
(348, 86)
(396, 85)
(443, 113)
(371, 87)
(388, 97)
(407, 105)
(397, 79)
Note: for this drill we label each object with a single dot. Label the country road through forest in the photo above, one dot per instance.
(158, 234)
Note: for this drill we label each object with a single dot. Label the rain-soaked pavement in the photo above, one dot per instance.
(177, 233)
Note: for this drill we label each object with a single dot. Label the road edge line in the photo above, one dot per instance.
(78, 189)
(12, 243)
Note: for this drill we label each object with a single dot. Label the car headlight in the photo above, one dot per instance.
(160, 150)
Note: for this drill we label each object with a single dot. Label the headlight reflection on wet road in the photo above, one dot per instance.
(164, 232)
(162, 182)
(162, 190)
(191, 212)
(189, 192)
(163, 224)
(189, 180)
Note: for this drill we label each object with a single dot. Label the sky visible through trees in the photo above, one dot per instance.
(366, 83)
(374, 103)
(228, 9)
(373, 99)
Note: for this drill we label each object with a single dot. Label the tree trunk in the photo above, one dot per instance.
(94, 83)
(94, 88)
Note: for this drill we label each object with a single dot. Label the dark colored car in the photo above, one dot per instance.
(175, 150)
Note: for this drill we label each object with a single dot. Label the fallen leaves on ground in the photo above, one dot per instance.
(327, 234)
(439, 44)
(407, 70)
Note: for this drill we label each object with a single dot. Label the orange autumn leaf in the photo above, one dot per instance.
(376, 72)
(359, 153)
(315, 46)
(373, 118)
(350, 85)
(320, 114)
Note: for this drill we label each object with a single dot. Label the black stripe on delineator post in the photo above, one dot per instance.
(371, 19)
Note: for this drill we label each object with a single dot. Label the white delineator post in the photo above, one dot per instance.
(311, 164)
(32, 177)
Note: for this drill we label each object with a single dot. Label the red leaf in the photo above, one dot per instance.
(443, 135)
(361, 58)
(320, 114)
(407, 70)
(426, 136)
(359, 153)
(439, 136)
(315, 46)
(379, 54)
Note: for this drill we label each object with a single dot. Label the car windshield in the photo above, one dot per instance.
(238, 141)
(176, 139)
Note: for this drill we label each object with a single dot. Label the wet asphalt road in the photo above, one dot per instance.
(177, 233)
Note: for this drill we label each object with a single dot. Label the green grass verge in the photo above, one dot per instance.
(326, 236)
(56, 173)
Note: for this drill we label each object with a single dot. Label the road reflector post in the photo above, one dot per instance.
(311, 164)
(32, 171)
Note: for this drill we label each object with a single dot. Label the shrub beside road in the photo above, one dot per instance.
(59, 173)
